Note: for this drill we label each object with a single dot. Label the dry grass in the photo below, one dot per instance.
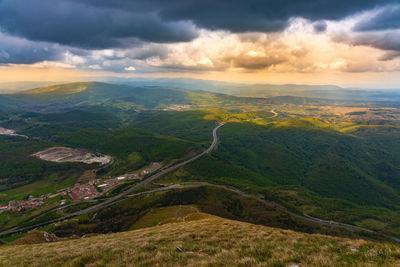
(164, 215)
(34, 237)
(204, 240)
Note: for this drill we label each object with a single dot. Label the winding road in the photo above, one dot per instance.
(274, 112)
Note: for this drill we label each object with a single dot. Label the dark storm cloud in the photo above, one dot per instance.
(21, 51)
(97, 24)
(386, 41)
(382, 40)
(387, 18)
(243, 16)
(260, 15)
(79, 24)
(380, 29)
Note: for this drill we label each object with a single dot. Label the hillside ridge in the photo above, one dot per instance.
(203, 240)
(66, 88)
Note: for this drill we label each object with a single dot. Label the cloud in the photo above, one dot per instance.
(99, 24)
(390, 55)
(229, 52)
(256, 61)
(320, 26)
(259, 15)
(147, 51)
(130, 68)
(378, 28)
(244, 16)
(197, 36)
(21, 51)
(80, 25)
(45, 65)
(387, 18)
(95, 67)
(52, 64)
(73, 59)
(387, 40)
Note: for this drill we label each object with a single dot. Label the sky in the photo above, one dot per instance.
(349, 43)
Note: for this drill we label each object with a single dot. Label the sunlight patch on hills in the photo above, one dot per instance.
(71, 88)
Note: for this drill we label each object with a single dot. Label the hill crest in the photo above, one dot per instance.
(67, 88)
(205, 240)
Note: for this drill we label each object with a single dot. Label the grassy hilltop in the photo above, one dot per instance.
(204, 240)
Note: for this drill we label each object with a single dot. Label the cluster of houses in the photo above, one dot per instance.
(110, 183)
(176, 107)
(107, 185)
(84, 191)
(88, 191)
(18, 205)
(31, 202)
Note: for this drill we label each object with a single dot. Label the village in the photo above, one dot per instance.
(31, 202)
(79, 192)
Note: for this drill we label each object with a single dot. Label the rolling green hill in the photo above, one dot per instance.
(310, 154)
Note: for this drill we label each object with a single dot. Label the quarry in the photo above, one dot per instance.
(65, 154)
(4, 131)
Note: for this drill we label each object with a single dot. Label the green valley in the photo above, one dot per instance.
(286, 157)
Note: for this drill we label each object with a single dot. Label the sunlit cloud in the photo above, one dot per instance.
(95, 67)
(130, 68)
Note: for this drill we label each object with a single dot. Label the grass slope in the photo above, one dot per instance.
(204, 240)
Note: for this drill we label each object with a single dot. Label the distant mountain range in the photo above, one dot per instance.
(331, 92)
(327, 92)
(85, 94)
